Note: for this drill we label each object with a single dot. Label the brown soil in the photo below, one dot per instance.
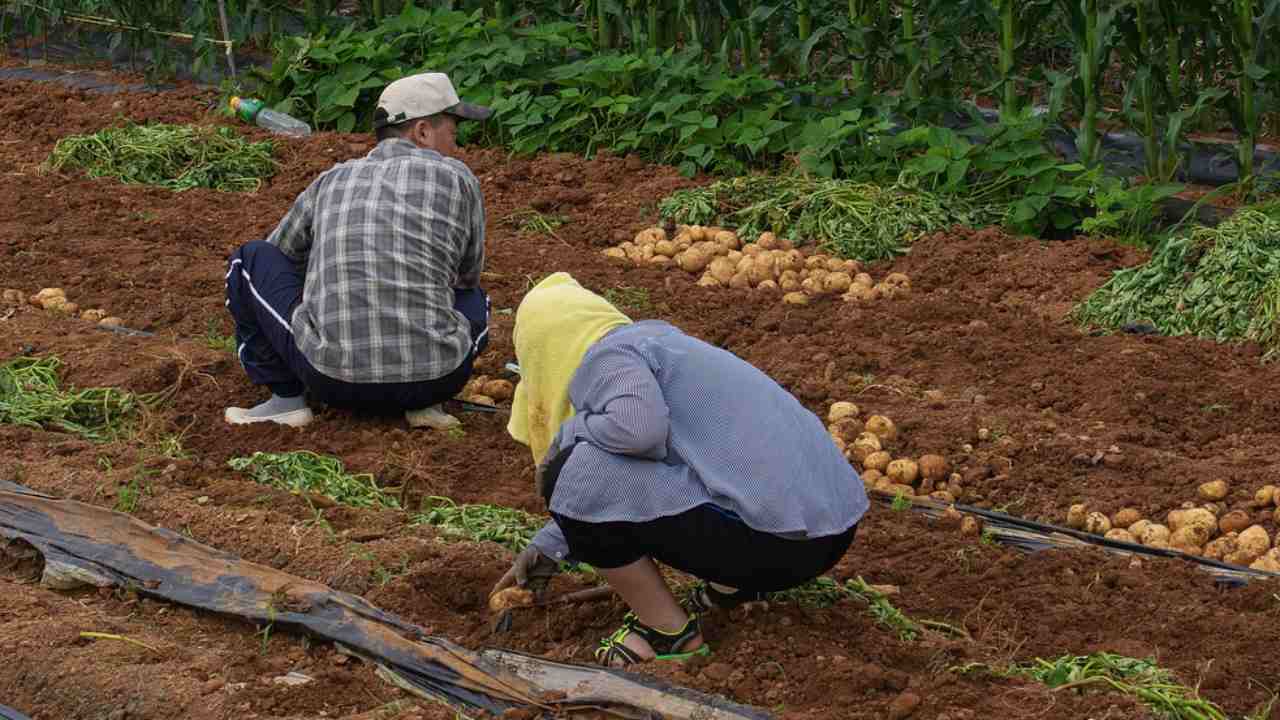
(985, 325)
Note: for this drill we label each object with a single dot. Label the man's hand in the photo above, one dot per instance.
(531, 570)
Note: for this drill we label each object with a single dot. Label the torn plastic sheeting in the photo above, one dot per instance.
(85, 544)
(1032, 536)
(8, 713)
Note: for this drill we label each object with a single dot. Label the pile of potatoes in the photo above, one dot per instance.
(55, 300)
(769, 264)
(867, 444)
(483, 390)
(1203, 530)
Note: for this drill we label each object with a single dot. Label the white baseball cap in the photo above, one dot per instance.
(422, 95)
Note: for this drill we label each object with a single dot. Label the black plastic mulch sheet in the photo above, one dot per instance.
(88, 544)
(8, 713)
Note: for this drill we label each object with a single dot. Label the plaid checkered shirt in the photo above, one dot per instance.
(384, 240)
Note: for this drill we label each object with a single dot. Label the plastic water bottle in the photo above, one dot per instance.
(253, 111)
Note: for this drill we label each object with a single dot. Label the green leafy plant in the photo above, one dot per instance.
(1221, 283)
(177, 157)
(1143, 679)
(850, 219)
(508, 527)
(302, 471)
(31, 395)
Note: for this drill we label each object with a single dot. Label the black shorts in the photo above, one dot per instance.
(710, 544)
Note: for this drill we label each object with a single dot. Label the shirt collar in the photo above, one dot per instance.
(399, 147)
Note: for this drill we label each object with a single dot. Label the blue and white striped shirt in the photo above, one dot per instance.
(665, 422)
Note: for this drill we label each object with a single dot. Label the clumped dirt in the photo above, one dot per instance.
(1070, 417)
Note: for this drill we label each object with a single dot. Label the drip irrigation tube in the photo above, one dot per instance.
(1031, 536)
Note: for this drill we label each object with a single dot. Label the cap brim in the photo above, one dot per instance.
(467, 111)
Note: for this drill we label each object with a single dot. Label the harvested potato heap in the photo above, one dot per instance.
(55, 300)
(483, 390)
(1203, 530)
(769, 264)
(868, 444)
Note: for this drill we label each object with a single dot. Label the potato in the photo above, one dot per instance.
(933, 467)
(903, 471)
(878, 461)
(839, 443)
(734, 256)
(818, 274)
(871, 477)
(682, 243)
(898, 280)
(646, 253)
(751, 249)
(896, 489)
(740, 281)
(814, 262)
(883, 428)
(863, 448)
(768, 286)
(864, 280)
(842, 409)
(1215, 490)
(1220, 548)
(479, 399)
(1204, 522)
(1097, 523)
(1264, 496)
(499, 389)
(111, 322)
(710, 249)
(1155, 533)
(727, 240)
(53, 302)
(1189, 535)
(835, 265)
(1185, 542)
(614, 252)
(47, 293)
(762, 270)
(767, 241)
(1269, 562)
(510, 598)
(943, 496)
(970, 525)
(1252, 544)
(793, 261)
(93, 315)
(1121, 536)
(722, 269)
(860, 294)
(1076, 515)
(632, 251)
(1125, 518)
(837, 282)
(1234, 522)
(887, 291)
(1276, 516)
(709, 280)
(853, 267)
(697, 233)
(789, 281)
(1138, 528)
(661, 261)
(812, 287)
(795, 298)
(666, 248)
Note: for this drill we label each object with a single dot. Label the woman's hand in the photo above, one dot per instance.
(531, 570)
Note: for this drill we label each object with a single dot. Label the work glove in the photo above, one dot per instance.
(531, 570)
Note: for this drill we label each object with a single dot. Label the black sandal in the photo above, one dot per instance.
(666, 646)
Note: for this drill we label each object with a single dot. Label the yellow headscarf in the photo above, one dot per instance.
(556, 323)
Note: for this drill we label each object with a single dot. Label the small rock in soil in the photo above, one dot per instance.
(903, 705)
(718, 672)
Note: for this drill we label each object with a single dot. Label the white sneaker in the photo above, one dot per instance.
(292, 418)
(432, 417)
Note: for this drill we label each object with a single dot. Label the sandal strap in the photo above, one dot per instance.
(705, 598)
(664, 645)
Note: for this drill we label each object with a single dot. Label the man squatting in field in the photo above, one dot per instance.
(651, 446)
(367, 294)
